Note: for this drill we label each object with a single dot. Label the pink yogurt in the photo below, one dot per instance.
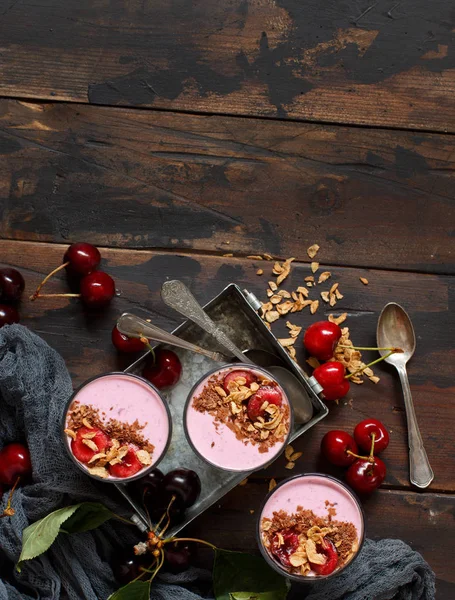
(218, 445)
(126, 398)
(310, 492)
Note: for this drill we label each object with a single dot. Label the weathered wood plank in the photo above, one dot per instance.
(384, 63)
(84, 340)
(145, 179)
(424, 521)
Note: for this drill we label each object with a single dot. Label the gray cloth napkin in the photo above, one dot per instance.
(34, 387)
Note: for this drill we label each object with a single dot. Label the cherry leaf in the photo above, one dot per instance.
(233, 571)
(136, 590)
(39, 537)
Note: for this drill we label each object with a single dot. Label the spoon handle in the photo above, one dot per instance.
(420, 471)
(176, 295)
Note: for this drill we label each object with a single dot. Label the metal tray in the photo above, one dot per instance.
(237, 317)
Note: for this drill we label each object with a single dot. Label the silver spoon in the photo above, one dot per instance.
(176, 295)
(395, 330)
(134, 326)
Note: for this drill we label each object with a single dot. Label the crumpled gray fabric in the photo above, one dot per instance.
(34, 387)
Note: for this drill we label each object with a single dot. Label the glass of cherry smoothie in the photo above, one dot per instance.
(238, 418)
(116, 427)
(310, 527)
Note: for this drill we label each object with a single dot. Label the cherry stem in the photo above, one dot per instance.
(146, 343)
(368, 458)
(57, 296)
(9, 511)
(166, 514)
(369, 365)
(373, 439)
(127, 521)
(36, 294)
(197, 540)
(393, 349)
(143, 571)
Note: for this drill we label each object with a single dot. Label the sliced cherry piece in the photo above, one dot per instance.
(129, 466)
(83, 258)
(123, 343)
(321, 338)
(363, 434)
(97, 289)
(184, 484)
(165, 371)
(331, 377)
(81, 451)
(267, 393)
(8, 315)
(14, 462)
(290, 544)
(11, 285)
(237, 374)
(364, 477)
(327, 548)
(334, 447)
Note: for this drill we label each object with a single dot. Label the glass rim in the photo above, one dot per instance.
(234, 366)
(274, 564)
(116, 480)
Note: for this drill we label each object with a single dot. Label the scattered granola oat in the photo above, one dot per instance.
(268, 256)
(286, 342)
(313, 362)
(324, 276)
(260, 272)
(272, 484)
(364, 280)
(228, 255)
(314, 306)
(255, 256)
(243, 482)
(325, 296)
(290, 465)
(313, 250)
(314, 266)
(288, 452)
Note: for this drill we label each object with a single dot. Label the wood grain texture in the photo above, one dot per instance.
(84, 339)
(381, 63)
(424, 521)
(142, 179)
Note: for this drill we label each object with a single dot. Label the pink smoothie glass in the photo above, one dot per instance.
(126, 398)
(216, 443)
(311, 491)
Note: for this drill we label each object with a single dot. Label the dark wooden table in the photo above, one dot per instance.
(172, 133)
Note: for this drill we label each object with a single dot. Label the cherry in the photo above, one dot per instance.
(327, 548)
(334, 447)
(365, 476)
(14, 462)
(267, 393)
(11, 285)
(237, 374)
(129, 465)
(177, 557)
(97, 289)
(123, 343)
(8, 315)
(363, 434)
(81, 451)
(184, 484)
(82, 259)
(164, 371)
(331, 377)
(147, 487)
(321, 338)
(283, 552)
(127, 566)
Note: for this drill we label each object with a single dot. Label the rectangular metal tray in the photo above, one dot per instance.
(239, 320)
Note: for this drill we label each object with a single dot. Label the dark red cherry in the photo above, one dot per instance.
(184, 484)
(83, 258)
(363, 434)
(146, 488)
(8, 315)
(327, 548)
(14, 462)
(321, 338)
(267, 393)
(331, 377)
(364, 477)
(165, 371)
(334, 447)
(129, 465)
(11, 285)
(126, 566)
(283, 551)
(177, 556)
(97, 289)
(123, 343)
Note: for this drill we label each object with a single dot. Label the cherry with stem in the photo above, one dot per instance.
(9, 510)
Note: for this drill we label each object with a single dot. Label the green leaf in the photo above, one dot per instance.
(136, 590)
(234, 571)
(89, 515)
(39, 537)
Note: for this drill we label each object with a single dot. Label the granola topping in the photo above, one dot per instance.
(270, 426)
(310, 534)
